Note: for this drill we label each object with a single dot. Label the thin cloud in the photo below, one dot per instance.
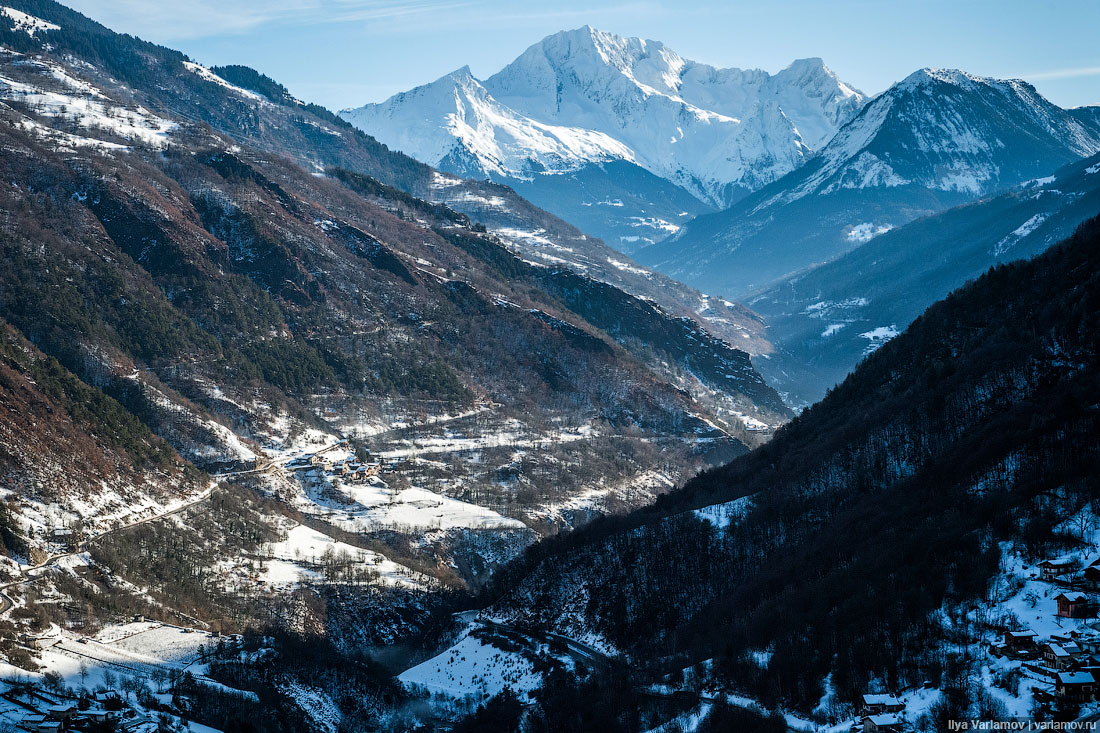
(1064, 73)
(342, 11)
(204, 18)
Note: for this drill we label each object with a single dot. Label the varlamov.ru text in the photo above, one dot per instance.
(1020, 725)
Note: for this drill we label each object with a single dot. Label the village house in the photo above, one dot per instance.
(882, 724)
(1074, 605)
(1051, 569)
(1056, 656)
(1086, 663)
(1019, 641)
(61, 712)
(38, 641)
(1091, 577)
(98, 715)
(49, 726)
(878, 704)
(106, 696)
(1089, 641)
(1075, 686)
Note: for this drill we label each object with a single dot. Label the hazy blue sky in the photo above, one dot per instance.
(344, 53)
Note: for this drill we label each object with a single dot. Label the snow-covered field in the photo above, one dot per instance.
(296, 558)
(139, 650)
(722, 515)
(373, 506)
(451, 443)
(473, 668)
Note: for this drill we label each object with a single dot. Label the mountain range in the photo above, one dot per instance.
(299, 432)
(184, 279)
(934, 140)
(620, 136)
(827, 319)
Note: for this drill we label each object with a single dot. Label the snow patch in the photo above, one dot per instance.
(213, 78)
(1019, 233)
(879, 336)
(29, 24)
(730, 512)
(473, 668)
(866, 232)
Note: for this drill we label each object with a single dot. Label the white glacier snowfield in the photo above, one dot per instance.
(586, 96)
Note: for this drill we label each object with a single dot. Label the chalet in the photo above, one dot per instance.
(98, 715)
(882, 724)
(878, 704)
(1086, 663)
(31, 722)
(49, 726)
(38, 641)
(1019, 641)
(341, 469)
(1075, 605)
(1089, 642)
(1075, 686)
(316, 460)
(61, 712)
(1091, 577)
(1056, 656)
(1051, 569)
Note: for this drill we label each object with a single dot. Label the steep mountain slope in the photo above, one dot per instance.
(190, 278)
(854, 550)
(619, 136)
(72, 457)
(825, 320)
(256, 111)
(934, 140)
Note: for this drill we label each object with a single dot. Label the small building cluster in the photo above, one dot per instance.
(44, 711)
(1075, 651)
(349, 470)
(1070, 661)
(881, 714)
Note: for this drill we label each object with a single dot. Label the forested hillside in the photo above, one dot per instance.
(853, 545)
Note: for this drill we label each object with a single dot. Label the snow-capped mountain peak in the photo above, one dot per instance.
(456, 124)
(946, 130)
(938, 138)
(585, 95)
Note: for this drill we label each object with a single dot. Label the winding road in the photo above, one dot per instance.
(31, 574)
(581, 653)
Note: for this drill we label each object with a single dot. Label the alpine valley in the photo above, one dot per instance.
(614, 391)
